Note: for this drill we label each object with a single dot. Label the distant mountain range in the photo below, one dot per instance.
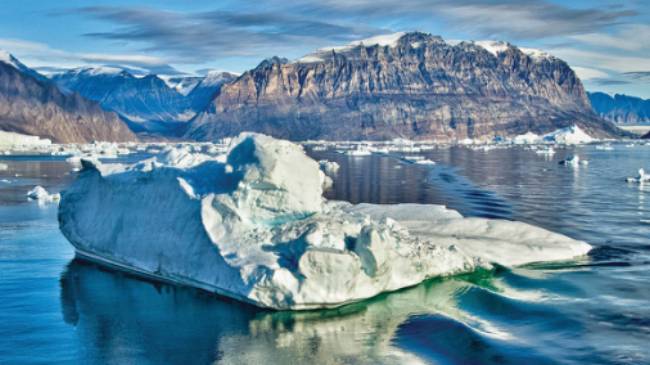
(620, 108)
(410, 85)
(31, 104)
(148, 103)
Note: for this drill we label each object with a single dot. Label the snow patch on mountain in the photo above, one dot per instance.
(494, 47)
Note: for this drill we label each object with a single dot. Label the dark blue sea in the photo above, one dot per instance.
(55, 309)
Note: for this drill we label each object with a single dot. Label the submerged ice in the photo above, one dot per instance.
(253, 225)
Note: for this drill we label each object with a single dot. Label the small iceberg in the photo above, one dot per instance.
(569, 136)
(41, 195)
(573, 161)
(255, 226)
(425, 161)
(641, 178)
(359, 151)
(545, 151)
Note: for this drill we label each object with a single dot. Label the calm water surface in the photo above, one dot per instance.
(54, 309)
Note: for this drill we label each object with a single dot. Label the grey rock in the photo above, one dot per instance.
(421, 88)
(31, 104)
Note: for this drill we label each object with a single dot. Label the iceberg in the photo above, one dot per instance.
(570, 136)
(41, 195)
(254, 226)
(641, 178)
(11, 139)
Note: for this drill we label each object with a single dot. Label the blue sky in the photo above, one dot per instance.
(606, 42)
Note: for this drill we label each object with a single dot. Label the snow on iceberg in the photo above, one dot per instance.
(257, 228)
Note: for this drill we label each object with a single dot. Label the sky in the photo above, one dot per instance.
(606, 42)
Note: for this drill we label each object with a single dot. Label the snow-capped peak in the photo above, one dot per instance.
(97, 70)
(12, 61)
(389, 40)
(494, 47)
(536, 54)
(9, 59)
(215, 77)
(382, 40)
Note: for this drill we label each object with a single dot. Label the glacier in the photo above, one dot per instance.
(253, 225)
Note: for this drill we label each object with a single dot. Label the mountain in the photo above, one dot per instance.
(146, 102)
(410, 85)
(31, 104)
(149, 102)
(208, 87)
(621, 108)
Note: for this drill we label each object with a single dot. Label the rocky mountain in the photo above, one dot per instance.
(621, 108)
(208, 87)
(31, 104)
(411, 85)
(149, 102)
(146, 102)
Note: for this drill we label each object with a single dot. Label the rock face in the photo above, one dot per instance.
(30, 104)
(621, 108)
(415, 86)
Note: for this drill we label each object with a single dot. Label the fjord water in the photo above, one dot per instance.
(596, 310)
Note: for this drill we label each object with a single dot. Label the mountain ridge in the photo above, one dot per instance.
(31, 104)
(412, 86)
(148, 102)
(620, 108)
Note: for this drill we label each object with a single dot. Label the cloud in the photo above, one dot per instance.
(275, 27)
(200, 36)
(586, 73)
(610, 82)
(615, 62)
(512, 19)
(639, 75)
(628, 37)
(43, 57)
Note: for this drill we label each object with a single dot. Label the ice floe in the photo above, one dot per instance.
(573, 160)
(41, 195)
(641, 178)
(13, 140)
(255, 226)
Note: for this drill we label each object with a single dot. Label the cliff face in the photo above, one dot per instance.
(621, 108)
(35, 106)
(417, 86)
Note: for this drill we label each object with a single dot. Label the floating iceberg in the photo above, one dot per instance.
(573, 160)
(641, 178)
(41, 195)
(255, 227)
(568, 135)
(11, 140)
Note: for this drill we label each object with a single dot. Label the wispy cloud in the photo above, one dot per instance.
(197, 36)
(40, 55)
(639, 75)
(610, 82)
(512, 19)
(275, 27)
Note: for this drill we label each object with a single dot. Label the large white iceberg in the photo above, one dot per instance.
(12, 139)
(257, 228)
